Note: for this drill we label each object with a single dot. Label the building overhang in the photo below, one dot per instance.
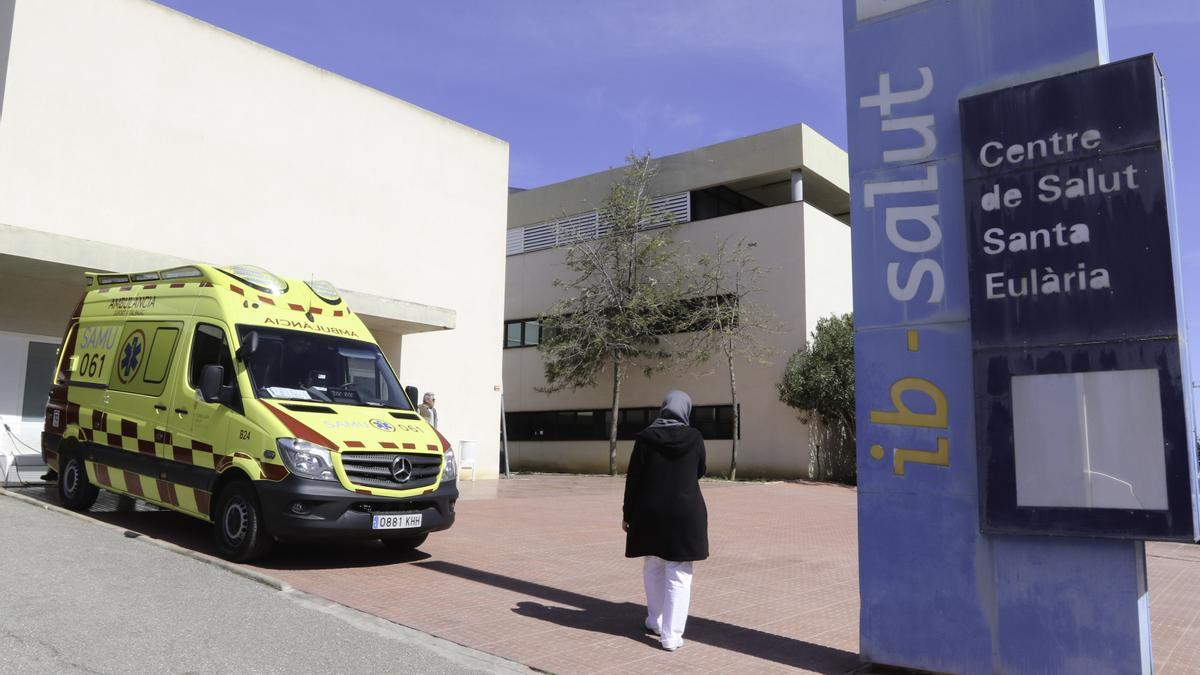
(764, 160)
(28, 255)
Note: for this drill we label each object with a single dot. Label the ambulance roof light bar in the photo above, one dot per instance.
(257, 278)
(325, 291)
(103, 279)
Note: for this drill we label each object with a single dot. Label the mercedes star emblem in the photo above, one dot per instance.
(401, 469)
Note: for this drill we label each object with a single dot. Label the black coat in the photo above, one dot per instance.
(663, 505)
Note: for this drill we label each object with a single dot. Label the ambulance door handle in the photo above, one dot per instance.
(160, 408)
(181, 411)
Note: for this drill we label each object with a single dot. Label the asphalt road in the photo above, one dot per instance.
(79, 597)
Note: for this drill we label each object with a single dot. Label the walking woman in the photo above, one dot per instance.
(665, 517)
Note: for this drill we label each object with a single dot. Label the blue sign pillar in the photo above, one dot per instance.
(936, 593)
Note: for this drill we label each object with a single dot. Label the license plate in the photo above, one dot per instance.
(395, 521)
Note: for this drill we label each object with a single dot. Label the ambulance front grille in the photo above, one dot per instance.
(374, 469)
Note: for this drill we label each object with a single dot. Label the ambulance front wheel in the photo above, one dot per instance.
(74, 490)
(240, 532)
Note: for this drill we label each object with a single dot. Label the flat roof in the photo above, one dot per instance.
(766, 157)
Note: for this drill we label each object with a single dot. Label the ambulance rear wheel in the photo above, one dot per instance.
(405, 543)
(238, 523)
(74, 490)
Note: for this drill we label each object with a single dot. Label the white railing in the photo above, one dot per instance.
(668, 210)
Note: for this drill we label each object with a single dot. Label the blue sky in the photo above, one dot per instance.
(575, 86)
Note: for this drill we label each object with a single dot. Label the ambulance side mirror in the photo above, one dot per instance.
(249, 346)
(210, 383)
(412, 392)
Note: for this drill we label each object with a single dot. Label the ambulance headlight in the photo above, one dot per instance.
(450, 467)
(306, 459)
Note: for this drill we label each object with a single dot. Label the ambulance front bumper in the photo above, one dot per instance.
(298, 508)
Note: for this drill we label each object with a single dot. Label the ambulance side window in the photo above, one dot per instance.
(143, 357)
(210, 347)
(63, 372)
(162, 346)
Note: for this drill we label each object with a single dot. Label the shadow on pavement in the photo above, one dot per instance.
(188, 532)
(624, 619)
(294, 555)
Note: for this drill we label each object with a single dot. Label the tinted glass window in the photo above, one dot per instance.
(302, 366)
(720, 201)
(512, 334)
(209, 346)
(64, 356)
(161, 349)
(522, 333)
(713, 422)
(39, 369)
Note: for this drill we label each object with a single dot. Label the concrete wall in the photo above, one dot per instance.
(592, 457)
(827, 285)
(128, 123)
(808, 257)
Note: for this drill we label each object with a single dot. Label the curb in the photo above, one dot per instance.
(459, 653)
(194, 555)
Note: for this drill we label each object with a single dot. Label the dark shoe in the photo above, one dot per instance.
(50, 476)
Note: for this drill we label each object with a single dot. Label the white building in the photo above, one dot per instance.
(786, 190)
(133, 137)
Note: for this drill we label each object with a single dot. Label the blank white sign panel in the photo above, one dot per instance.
(1089, 440)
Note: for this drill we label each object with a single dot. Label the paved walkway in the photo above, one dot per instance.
(539, 576)
(80, 598)
(533, 571)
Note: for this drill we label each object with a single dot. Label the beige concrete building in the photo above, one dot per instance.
(786, 190)
(134, 137)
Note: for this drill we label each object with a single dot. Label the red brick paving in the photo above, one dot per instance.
(534, 571)
(539, 576)
(1173, 575)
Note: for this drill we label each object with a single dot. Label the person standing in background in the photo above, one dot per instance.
(665, 517)
(427, 409)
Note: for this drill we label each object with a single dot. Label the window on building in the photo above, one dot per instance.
(528, 332)
(720, 200)
(39, 371)
(683, 318)
(521, 333)
(513, 334)
(715, 423)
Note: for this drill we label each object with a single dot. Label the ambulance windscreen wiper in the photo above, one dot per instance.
(344, 395)
(318, 394)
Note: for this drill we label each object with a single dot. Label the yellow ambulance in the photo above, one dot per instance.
(260, 404)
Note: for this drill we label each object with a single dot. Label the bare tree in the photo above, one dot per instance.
(728, 319)
(625, 294)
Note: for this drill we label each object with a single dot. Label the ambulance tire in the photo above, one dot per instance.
(405, 543)
(74, 490)
(238, 523)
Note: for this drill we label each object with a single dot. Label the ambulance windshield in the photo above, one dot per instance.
(299, 366)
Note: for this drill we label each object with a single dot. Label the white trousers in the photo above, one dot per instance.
(668, 593)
